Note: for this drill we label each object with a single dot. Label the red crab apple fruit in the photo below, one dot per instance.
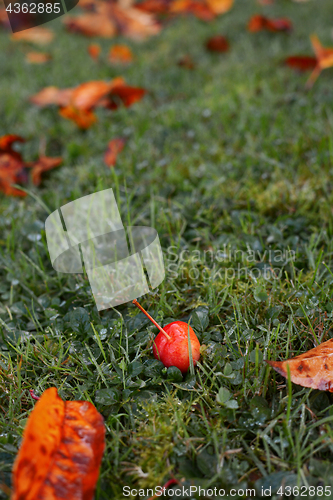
(171, 344)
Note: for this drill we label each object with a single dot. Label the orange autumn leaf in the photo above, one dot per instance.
(115, 146)
(94, 50)
(62, 448)
(195, 7)
(217, 43)
(120, 54)
(11, 166)
(259, 23)
(13, 170)
(43, 164)
(37, 57)
(109, 19)
(155, 6)
(92, 24)
(220, 6)
(38, 35)
(77, 104)
(52, 95)
(301, 63)
(123, 94)
(83, 118)
(324, 56)
(86, 95)
(313, 368)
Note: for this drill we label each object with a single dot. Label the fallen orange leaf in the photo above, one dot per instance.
(259, 23)
(11, 165)
(310, 369)
(115, 146)
(94, 50)
(13, 169)
(220, 6)
(110, 18)
(38, 35)
(77, 104)
(122, 93)
(52, 95)
(217, 43)
(86, 95)
(92, 24)
(83, 118)
(301, 63)
(195, 7)
(155, 6)
(43, 164)
(37, 57)
(62, 448)
(120, 54)
(324, 57)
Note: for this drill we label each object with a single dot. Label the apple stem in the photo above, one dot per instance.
(151, 319)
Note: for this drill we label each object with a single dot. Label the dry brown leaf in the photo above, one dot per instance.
(37, 35)
(120, 54)
(38, 57)
(311, 369)
(62, 448)
(115, 146)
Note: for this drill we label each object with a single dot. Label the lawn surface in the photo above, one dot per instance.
(232, 164)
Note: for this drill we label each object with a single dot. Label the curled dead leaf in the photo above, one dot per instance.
(62, 448)
(313, 368)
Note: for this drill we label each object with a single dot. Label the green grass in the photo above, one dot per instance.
(234, 155)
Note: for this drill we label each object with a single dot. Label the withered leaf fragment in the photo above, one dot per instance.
(301, 63)
(217, 43)
(310, 369)
(259, 23)
(115, 146)
(62, 448)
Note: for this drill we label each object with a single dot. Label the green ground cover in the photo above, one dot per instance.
(233, 157)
